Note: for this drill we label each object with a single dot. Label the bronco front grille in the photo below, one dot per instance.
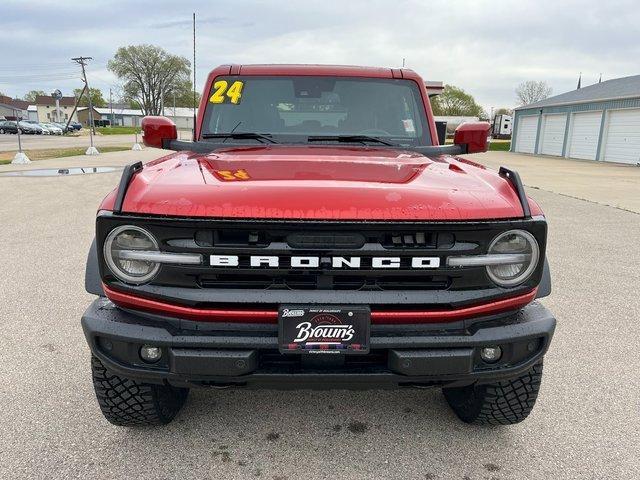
(324, 240)
(325, 281)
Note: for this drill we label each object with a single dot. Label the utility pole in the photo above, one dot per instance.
(194, 76)
(18, 132)
(20, 157)
(111, 105)
(161, 99)
(82, 61)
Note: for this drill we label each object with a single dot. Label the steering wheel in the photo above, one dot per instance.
(374, 132)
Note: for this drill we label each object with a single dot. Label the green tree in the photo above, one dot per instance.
(503, 111)
(454, 101)
(183, 92)
(132, 103)
(96, 97)
(148, 72)
(31, 96)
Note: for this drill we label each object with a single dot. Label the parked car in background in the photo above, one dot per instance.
(53, 128)
(8, 126)
(40, 129)
(30, 128)
(63, 127)
(75, 125)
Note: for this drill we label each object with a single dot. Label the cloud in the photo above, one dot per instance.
(485, 47)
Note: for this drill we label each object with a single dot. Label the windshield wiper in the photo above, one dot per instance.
(349, 139)
(241, 135)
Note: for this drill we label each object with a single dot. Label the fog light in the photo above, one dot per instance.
(150, 354)
(491, 354)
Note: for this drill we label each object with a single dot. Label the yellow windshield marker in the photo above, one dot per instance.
(222, 92)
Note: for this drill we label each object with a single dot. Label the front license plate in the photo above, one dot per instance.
(324, 330)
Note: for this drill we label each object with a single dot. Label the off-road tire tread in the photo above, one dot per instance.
(126, 402)
(501, 403)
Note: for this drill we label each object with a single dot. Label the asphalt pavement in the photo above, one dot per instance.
(585, 424)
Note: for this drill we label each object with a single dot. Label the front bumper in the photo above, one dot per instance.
(246, 355)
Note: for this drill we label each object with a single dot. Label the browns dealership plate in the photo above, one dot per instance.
(324, 330)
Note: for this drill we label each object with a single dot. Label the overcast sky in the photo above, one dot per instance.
(484, 47)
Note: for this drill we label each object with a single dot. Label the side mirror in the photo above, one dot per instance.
(472, 137)
(156, 131)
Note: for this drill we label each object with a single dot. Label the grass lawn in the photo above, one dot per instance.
(6, 157)
(118, 130)
(500, 145)
(495, 145)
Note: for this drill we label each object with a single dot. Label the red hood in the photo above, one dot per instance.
(319, 182)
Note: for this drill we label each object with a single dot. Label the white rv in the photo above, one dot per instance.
(502, 126)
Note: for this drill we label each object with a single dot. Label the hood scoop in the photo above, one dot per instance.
(347, 166)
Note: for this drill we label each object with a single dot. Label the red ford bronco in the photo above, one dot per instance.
(317, 234)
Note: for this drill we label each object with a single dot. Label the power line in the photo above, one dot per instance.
(37, 83)
(39, 66)
(39, 77)
(38, 74)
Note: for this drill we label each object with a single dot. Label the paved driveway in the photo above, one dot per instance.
(585, 424)
(606, 183)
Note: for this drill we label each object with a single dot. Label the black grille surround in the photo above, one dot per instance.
(212, 287)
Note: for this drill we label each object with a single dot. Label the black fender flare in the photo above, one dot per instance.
(544, 287)
(92, 279)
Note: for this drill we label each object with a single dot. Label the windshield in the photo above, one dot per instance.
(296, 109)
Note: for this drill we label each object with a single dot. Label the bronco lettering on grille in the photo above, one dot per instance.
(273, 261)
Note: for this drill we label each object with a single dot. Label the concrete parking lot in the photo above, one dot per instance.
(585, 424)
(9, 142)
(605, 183)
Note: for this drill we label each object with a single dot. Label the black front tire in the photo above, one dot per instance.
(129, 403)
(501, 403)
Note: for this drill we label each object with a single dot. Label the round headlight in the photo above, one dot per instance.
(524, 248)
(122, 240)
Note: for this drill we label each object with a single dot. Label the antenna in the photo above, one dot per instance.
(194, 76)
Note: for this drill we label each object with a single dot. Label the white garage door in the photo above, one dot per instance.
(527, 130)
(552, 134)
(622, 141)
(583, 140)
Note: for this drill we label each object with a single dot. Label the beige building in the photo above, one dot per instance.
(182, 117)
(11, 108)
(46, 109)
(129, 117)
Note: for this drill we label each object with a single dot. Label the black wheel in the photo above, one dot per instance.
(2, 131)
(501, 403)
(126, 402)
